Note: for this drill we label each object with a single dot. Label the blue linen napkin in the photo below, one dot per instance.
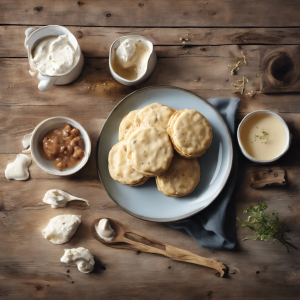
(215, 226)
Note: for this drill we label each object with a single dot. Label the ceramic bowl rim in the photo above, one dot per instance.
(109, 59)
(268, 112)
(87, 141)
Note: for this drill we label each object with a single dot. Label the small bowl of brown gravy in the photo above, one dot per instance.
(64, 146)
(60, 146)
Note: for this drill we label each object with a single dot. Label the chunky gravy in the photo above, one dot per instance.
(64, 146)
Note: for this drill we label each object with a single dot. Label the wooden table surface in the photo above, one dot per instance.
(215, 32)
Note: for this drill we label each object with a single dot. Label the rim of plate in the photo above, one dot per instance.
(162, 220)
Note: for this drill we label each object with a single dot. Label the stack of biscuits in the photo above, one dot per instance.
(148, 138)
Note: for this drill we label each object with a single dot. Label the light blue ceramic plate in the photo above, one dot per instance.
(145, 201)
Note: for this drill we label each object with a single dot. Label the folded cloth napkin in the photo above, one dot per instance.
(214, 227)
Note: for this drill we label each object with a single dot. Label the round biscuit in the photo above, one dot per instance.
(154, 115)
(190, 132)
(126, 126)
(181, 178)
(120, 168)
(149, 151)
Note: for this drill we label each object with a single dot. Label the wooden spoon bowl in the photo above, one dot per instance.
(127, 238)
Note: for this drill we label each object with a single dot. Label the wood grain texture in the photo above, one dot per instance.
(129, 239)
(280, 70)
(39, 272)
(12, 37)
(268, 178)
(156, 13)
(30, 266)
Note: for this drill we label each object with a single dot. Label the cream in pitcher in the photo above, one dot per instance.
(54, 55)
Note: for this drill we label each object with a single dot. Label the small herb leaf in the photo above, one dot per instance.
(265, 225)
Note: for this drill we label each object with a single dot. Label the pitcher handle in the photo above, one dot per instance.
(46, 83)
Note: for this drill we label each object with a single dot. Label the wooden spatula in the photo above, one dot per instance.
(127, 238)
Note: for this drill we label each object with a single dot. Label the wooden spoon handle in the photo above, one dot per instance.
(186, 256)
(128, 238)
(145, 243)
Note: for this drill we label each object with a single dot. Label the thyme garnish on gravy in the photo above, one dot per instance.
(263, 136)
(240, 85)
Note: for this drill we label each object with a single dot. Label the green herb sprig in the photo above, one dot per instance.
(265, 225)
(264, 136)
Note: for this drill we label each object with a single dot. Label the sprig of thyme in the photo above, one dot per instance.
(240, 85)
(265, 225)
(244, 57)
(235, 68)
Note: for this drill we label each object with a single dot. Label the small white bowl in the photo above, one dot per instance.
(150, 65)
(44, 128)
(288, 140)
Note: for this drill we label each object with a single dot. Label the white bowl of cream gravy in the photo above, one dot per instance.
(54, 54)
(36, 145)
(131, 59)
(263, 136)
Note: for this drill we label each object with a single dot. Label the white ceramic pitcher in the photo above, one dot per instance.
(33, 35)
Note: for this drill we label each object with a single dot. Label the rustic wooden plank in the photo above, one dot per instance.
(49, 276)
(280, 70)
(34, 264)
(167, 71)
(28, 195)
(268, 178)
(156, 13)
(29, 264)
(208, 76)
(95, 41)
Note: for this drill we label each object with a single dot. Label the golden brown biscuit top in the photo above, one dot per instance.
(181, 178)
(154, 115)
(191, 131)
(149, 150)
(120, 167)
(126, 126)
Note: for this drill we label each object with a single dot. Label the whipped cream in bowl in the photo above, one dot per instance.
(54, 55)
(131, 59)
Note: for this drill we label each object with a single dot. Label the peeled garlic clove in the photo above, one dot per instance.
(58, 198)
(26, 143)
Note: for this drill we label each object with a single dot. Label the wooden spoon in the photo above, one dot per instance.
(127, 238)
